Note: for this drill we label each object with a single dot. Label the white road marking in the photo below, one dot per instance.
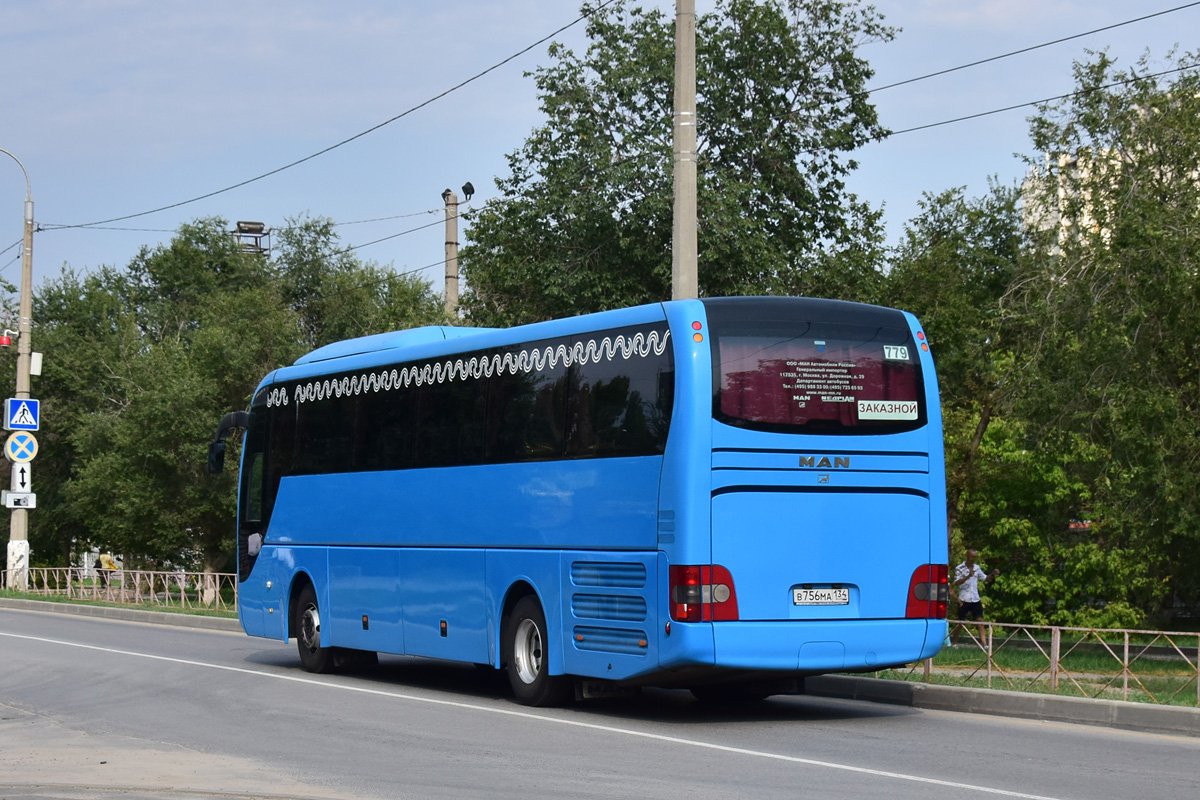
(542, 718)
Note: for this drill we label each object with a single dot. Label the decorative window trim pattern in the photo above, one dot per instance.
(533, 359)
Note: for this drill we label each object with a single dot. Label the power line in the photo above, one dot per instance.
(51, 226)
(335, 253)
(1078, 93)
(394, 216)
(97, 225)
(397, 235)
(1026, 49)
(378, 282)
(372, 129)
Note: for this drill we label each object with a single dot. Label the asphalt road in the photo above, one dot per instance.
(93, 708)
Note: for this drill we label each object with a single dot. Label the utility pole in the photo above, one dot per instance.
(685, 283)
(451, 200)
(18, 536)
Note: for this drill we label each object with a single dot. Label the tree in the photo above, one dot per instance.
(337, 296)
(79, 317)
(1112, 304)
(956, 262)
(585, 219)
(143, 362)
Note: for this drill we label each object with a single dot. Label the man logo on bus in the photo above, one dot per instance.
(839, 462)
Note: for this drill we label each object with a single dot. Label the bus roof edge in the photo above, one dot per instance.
(387, 341)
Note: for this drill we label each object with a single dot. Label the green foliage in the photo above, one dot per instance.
(586, 218)
(1113, 302)
(141, 363)
(336, 296)
(1021, 511)
(957, 260)
(1067, 358)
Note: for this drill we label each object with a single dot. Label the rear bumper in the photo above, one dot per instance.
(812, 647)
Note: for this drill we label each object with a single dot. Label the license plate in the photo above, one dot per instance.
(820, 597)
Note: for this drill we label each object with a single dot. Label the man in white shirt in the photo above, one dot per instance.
(966, 588)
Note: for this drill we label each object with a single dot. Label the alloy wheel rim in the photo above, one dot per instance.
(528, 651)
(310, 628)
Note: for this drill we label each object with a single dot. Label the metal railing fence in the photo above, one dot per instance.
(213, 591)
(1162, 667)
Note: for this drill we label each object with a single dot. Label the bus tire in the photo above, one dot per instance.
(307, 625)
(526, 650)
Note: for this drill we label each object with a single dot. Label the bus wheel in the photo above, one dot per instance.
(307, 625)
(527, 656)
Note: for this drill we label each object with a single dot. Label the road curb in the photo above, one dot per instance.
(1120, 714)
(126, 614)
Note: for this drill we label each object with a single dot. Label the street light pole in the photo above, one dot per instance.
(18, 531)
(684, 278)
(451, 201)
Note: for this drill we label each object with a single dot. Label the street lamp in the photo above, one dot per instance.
(18, 536)
(451, 201)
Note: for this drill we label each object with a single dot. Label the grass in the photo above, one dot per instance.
(1159, 677)
(1031, 660)
(1164, 691)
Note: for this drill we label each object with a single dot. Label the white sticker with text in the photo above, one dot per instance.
(887, 409)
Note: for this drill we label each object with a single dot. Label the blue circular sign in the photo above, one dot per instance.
(21, 447)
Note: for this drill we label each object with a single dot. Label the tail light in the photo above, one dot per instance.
(928, 592)
(702, 594)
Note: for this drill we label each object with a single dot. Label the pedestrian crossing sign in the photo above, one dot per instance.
(21, 414)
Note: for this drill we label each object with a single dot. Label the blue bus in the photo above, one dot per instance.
(725, 495)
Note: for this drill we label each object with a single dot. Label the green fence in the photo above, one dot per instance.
(1145, 666)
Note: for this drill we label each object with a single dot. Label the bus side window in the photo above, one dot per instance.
(450, 423)
(526, 415)
(279, 453)
(253, 466)
(254, 487)
(386, 435)
(618, 406)
(325, 436)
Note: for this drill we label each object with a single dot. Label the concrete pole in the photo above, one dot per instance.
(451, 253)
(684, 279)
(18, 531)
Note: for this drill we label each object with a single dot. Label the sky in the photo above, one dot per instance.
(125, 106)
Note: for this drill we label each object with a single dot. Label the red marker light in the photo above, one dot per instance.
(5, 341)
(696, 326)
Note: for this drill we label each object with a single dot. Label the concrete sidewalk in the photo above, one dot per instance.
(1146, 717)
(126, 614)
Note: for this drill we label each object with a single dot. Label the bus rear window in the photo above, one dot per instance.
(817, 377)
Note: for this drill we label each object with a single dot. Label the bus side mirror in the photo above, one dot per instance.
(216, 448)
(216, 457)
